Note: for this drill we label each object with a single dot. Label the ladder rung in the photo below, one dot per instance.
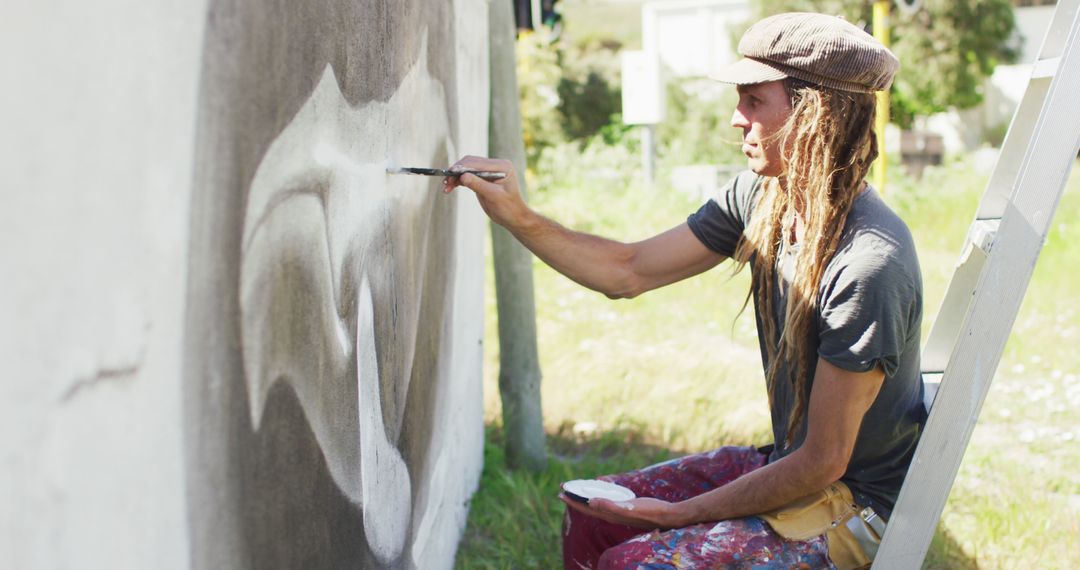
(931, 385)
(1045, 68)
(982, 232)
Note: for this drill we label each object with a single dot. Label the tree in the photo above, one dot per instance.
(519, 362)
(946, 48)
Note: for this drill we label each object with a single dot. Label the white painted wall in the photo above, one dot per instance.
(97, 155)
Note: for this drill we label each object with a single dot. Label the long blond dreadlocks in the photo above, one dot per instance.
(827, 145)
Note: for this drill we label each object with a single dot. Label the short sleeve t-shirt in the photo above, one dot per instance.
(869, 315)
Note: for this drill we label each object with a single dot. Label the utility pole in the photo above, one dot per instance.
(519, 362)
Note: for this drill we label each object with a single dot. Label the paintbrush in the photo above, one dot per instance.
(485, 174)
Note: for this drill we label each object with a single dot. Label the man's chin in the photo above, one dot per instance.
(756, 167)
(762, 169)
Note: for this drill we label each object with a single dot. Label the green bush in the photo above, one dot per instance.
(697, 129)
(538, 75)
(586, 106)
(595, 163)
(591, 87)
(568, 92)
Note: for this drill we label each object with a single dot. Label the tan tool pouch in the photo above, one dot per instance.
(824, 512)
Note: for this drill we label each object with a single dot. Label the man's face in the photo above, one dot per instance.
(762, 110)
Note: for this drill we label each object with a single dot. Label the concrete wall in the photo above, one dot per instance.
(230, 339)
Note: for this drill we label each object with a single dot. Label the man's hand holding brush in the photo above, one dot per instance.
(500, 199)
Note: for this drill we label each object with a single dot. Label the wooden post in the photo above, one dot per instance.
(519, 362)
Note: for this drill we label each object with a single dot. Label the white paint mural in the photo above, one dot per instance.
(300, 333)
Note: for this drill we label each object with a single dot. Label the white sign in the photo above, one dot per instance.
(693, 37)
(643, 99)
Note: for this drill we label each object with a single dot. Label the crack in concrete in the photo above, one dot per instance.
(104, 374)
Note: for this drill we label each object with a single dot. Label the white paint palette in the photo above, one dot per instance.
(581, 490)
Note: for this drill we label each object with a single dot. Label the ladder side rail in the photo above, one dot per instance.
(1000, 290)
(1021, 127)
(1013, 149)
(1057, 35)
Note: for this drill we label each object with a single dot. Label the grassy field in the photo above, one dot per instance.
(628, 383)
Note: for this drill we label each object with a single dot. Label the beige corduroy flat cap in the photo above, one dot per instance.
(825, 50)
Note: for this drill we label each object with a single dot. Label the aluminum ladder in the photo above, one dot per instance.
(968, 336)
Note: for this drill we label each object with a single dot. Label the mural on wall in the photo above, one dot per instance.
(332, 350)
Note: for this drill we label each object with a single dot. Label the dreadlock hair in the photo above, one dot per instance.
(827, 144)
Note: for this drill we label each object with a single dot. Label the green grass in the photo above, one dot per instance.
(676, 371)
(515, 521)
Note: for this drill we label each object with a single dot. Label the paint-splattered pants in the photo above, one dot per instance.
(593, 544)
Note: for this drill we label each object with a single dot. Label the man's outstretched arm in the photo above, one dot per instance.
(838, 401)
(613, 268)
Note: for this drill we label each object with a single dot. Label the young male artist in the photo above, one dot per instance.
(838, 299)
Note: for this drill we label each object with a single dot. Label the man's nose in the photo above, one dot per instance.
(738, 120)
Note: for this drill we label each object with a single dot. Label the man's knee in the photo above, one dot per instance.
(620, 556)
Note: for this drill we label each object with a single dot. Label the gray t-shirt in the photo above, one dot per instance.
(870, 314)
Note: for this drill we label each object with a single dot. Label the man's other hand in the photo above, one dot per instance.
(643, 512)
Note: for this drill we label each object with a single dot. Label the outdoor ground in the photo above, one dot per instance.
(628, 383)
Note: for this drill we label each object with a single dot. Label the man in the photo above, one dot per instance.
(838, 298)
